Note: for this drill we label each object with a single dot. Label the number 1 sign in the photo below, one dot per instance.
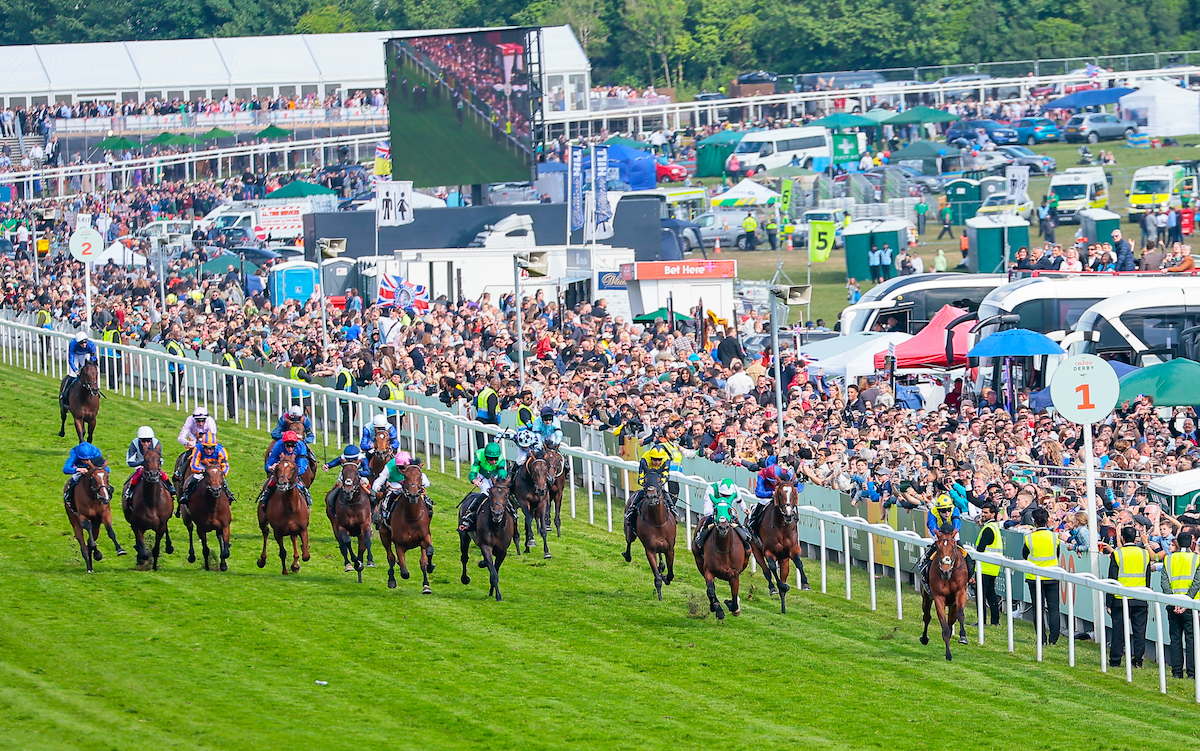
(1084, 389)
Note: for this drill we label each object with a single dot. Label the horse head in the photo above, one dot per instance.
(652, 494)
(555, 462)
(98, 484)
(498, 501)
(285, 475)
(537, 470)
(947, 550)
(152, 465)
(348, 479)
(787, 499)
(383, 444)
(214, 478)
(89, 377)
(411, 485)
(296, 426)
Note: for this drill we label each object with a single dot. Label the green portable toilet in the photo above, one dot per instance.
(991, 185)
(963, 196)
(993, 241)
(857, 239)
(1098, 224)
(894, 232)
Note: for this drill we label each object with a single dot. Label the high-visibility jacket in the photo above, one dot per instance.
(176, 349)
(1132, 563)
(295, 373)
(112, 336)
(230, 361)
(996, 546)
(524, 416)
(43, 319)
(750, 224)
(394, 393)
(481, 405)
(1042, 550)
(345, 380)
(1181, 568)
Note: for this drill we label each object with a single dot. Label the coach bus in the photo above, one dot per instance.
(907, 303)
(1141, 328)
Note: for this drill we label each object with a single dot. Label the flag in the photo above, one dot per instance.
(575, 175)
(383, 158)
(396, 290)
(388, 285)
(600, 184)
(821, 236)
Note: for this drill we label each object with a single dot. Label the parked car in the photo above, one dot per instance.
(957, 94)
(256, 256)
(969, 130)
(758, 76)
(666, 171)
(1038, 163)
(1000, 203)
(725, 226)
(1095, 126)
(1034, 130)
(927, 183)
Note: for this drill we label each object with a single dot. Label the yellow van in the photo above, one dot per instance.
(1158, 187)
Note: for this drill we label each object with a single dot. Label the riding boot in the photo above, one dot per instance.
(745, 537)
(428, 503)
(468, 520)
(69, 493)
(266, 492)
(512, 509)
(702, 535)
(306, 495)
(756, 518)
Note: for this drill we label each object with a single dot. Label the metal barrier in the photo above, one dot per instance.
(232, 395)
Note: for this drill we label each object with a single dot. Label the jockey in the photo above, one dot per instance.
(724, 492)
(83, 457)
(79, 352)
(367, 442)
(488, 466)
(196, 427)
(653, 469)
(528, 442)
(549, 428)
(294, 414)
(764, 487)
(942, 512)
(136, 457)
(286, 448)
(206, 452)
(393, 477)
(350, 455)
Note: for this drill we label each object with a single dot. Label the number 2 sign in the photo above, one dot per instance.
(1084, 389)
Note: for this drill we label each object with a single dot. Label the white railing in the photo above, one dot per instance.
(200, 121)
(232, 395)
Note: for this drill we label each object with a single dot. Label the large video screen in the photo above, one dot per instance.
(460, 107)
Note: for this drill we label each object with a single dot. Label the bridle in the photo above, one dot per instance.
(91, 385)
(348, 485)
(785, 491)
(102, 490)
(947, 562)
(532, 462)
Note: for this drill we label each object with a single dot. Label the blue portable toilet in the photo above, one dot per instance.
(294, 280)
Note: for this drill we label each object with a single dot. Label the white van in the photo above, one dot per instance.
(761, 150)
(1077, 189)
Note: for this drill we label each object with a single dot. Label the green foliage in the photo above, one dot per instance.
(328, 19)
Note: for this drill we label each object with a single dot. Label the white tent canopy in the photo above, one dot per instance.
(1161, 108)
(120, 255)
(859, 360)
(746, 193)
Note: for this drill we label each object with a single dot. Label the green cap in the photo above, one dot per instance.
(492, 451)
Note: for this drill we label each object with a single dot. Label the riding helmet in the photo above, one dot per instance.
(379, 421)
(290, 437)
(492, 451)
(146, 432)
(547, 411)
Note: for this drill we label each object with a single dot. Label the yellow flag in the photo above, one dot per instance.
(820, 240)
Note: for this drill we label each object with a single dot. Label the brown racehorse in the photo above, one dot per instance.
(149, 507)
(348, 505)
(383, 452)
(560, 474)
(207, 509)
(408, 528)
(286, 514)
(82, 401)
(310, 473)
(493, 532)
(531, 486)
(723, 557)
(655, 527)
(777, 543)
(91, 496)
(948, 590)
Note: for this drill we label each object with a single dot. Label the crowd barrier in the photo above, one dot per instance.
(835, 531)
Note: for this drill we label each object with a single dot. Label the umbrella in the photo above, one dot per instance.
(660, 313)
(746, 193)
(272, 131)
(840, 120)
(1015, 343)
(218, 133)
(300, 189)
(117, 143)
(162, 139)
(1169, 383)
(922, 115)
(880, 115)
(185, 140)
(621, 141)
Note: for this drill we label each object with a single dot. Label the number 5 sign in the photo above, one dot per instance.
(1084, 389)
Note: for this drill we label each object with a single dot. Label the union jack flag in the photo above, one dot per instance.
(383, 150)
(393, 289)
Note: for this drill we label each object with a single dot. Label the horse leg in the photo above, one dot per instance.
(947, 627)
(499, 561)
(62, 428)
(493, 575)
(528, 529)
(158, 535)
(92, 537)
(364, 542)
(204, 548)
(714, 605)
(658, 580)
(425, 590)
(800, 567)
(761, 556)
(112, 535)
(191, 543)
(543, 530)
(139, 548)
(960, 604)
(306, 554)
(262, 526)
(169, 549)
(223, 544)
(464, 541)
(781, 575)
(670, 577)
(925, 603)
(343, 541)
(630, 536)
(734, 605)
(282, 552)
(91, 426)
(558, 516)
(429, 550)
(402, 554)
(79, 428)
(77, 529)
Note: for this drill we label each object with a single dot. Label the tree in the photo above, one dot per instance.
(328, 19)
(656, 25)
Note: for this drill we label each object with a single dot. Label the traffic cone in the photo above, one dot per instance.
(717, 245)
(789, 243)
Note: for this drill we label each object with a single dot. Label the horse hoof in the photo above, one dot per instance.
(720, 615)
(391, 583)
(483, 564)
(784, 587)
(805, 588)
(142, 566)
(170, 549)
(498, 597)
(425, 590)
(925, 640)
(121, 552)
(358, 566)
(63, 434)
(429, 569)
(295, 568)
(97, 555)
(963, 640)
(628, 558)
(306, 557)
(546, 556)
(772, 591)
(90, 571)
(349, 568)
(192, 558)
(712, 608)
(262, 562)
(949, 657)
(465, 579)
(668, 579)
(224, 566)
(404, 575)
(370, 564)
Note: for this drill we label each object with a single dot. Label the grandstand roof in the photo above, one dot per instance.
(351, 60)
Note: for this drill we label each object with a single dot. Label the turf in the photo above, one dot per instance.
(579, 655)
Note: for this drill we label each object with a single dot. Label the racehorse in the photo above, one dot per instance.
(408, 528)
(91, 497)
(655, 526)
(82, 401)
(382, 453)
(149, 507)
(531, 486)
(207, 509)
(777, 543)
(348, 505)
(286, 513)
(948, 591)
(493, 531)
(560, 473)
(297, 427)
(723, 557)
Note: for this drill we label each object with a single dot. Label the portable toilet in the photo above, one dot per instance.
(857, 239)
(989, 186)
(338, 275)
(993, 241)
(294, 280)
(963, 196)
(894, 232)
(1097, 225)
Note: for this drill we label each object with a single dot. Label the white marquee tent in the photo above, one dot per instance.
(1161, 108)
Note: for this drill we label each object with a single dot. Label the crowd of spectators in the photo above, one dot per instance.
(474, 66)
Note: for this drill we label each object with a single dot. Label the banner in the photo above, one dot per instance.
(383, 159)
(575, 170)
(600, 184)
(845, 148)
(1018, 182)
(785, 200)
(393, 203)
(395, 290)
(821, 236)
